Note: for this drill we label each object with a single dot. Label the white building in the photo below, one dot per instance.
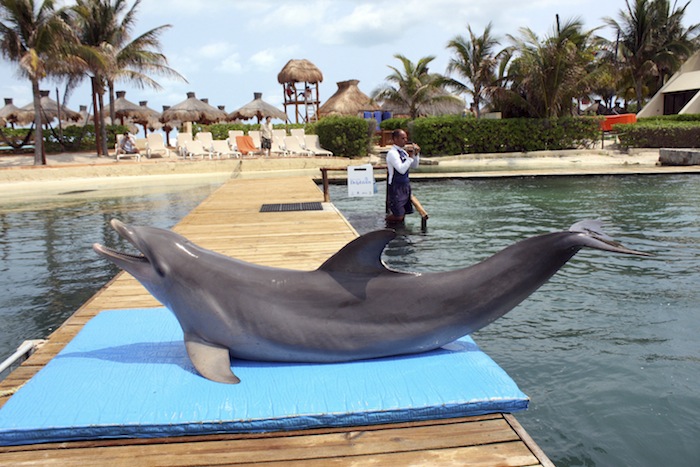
(680, 95)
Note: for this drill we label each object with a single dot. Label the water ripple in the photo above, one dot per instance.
(607, 349)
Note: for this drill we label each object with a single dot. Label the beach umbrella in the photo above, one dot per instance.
(125, 110)
(50, 109)
(257, 108)
(169, 126)
(347, 100)
(193, 110)
(12, 114)
(148, 118)
(85, 116)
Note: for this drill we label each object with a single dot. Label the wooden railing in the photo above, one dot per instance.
(327, 195)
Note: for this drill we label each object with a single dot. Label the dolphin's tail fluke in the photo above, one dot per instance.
(594, 237)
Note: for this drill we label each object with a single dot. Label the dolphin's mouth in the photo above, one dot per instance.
(119, 257)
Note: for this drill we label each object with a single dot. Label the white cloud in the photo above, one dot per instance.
(273, 57)
(215, 49)
(263, 59)
(231, 64)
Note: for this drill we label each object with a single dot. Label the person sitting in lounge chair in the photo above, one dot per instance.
(128, 144)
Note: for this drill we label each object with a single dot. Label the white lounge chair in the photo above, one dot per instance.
(278, 145)
(196, 148)
(141, 144)
(299, 133)
(156, 145)
(221, 147)
(205, 137)
(245, 145)
(314, 145)
(182, 140)
(291, 143)
(119, 152)
(255, 135)
(233, 133)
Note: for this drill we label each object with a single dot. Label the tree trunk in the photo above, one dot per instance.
(639, 85)
(39, 154)
(97, 119)
(110, 87)
(103, 130)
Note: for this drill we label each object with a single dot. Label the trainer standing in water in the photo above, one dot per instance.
(399, 160)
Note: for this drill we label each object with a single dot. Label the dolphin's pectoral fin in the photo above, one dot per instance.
(211, 361)
(361, 256)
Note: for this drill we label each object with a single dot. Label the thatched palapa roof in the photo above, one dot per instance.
(347, 100)
(257, 108)
(49, 108)
(12, 114)
(125, 109)
(299, 71)
(150, 117)
(193, 110)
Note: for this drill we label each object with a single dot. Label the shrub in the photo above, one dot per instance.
(449, 135)
(80, 137)
(659, 133)
(344, 136)
(395, 124)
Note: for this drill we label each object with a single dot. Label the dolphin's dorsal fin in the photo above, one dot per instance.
(211, 361)
(361, 256)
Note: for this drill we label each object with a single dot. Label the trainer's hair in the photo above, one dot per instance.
(395, 134)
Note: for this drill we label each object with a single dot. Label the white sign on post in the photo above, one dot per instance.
(360, 180)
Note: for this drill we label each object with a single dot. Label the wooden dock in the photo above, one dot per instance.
(231, 223)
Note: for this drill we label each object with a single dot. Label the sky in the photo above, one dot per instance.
(229, 49)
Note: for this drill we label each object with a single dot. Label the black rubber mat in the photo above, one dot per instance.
(288, 207)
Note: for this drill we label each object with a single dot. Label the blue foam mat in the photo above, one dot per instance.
(127, 375)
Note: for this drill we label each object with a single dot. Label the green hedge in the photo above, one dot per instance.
(680, 132)
(671, 118)
(395, 124)
(345, 136)
(450, 135)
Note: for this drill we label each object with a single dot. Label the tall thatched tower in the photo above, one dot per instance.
(299, 80)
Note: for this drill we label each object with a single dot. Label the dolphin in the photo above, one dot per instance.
(352, 307)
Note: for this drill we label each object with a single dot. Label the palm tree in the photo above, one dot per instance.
(551, 73)
(474, 60)
(132, 61)
(413, 87)
(675, 43)
(40, 42)
(652, 42)
(105, 26)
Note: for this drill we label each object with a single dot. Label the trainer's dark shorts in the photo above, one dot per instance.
(400, 199)
(266, 143)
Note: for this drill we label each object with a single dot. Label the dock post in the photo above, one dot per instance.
(326, 189)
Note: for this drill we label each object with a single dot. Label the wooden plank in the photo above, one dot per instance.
(229, 222)
(487, 442)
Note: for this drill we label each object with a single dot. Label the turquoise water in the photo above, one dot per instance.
(607, 350)
(47, 266)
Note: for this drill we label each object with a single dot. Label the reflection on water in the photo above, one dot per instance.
(47, 266)
(607, 350)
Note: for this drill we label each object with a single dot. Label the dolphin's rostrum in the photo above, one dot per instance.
(345, 310)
